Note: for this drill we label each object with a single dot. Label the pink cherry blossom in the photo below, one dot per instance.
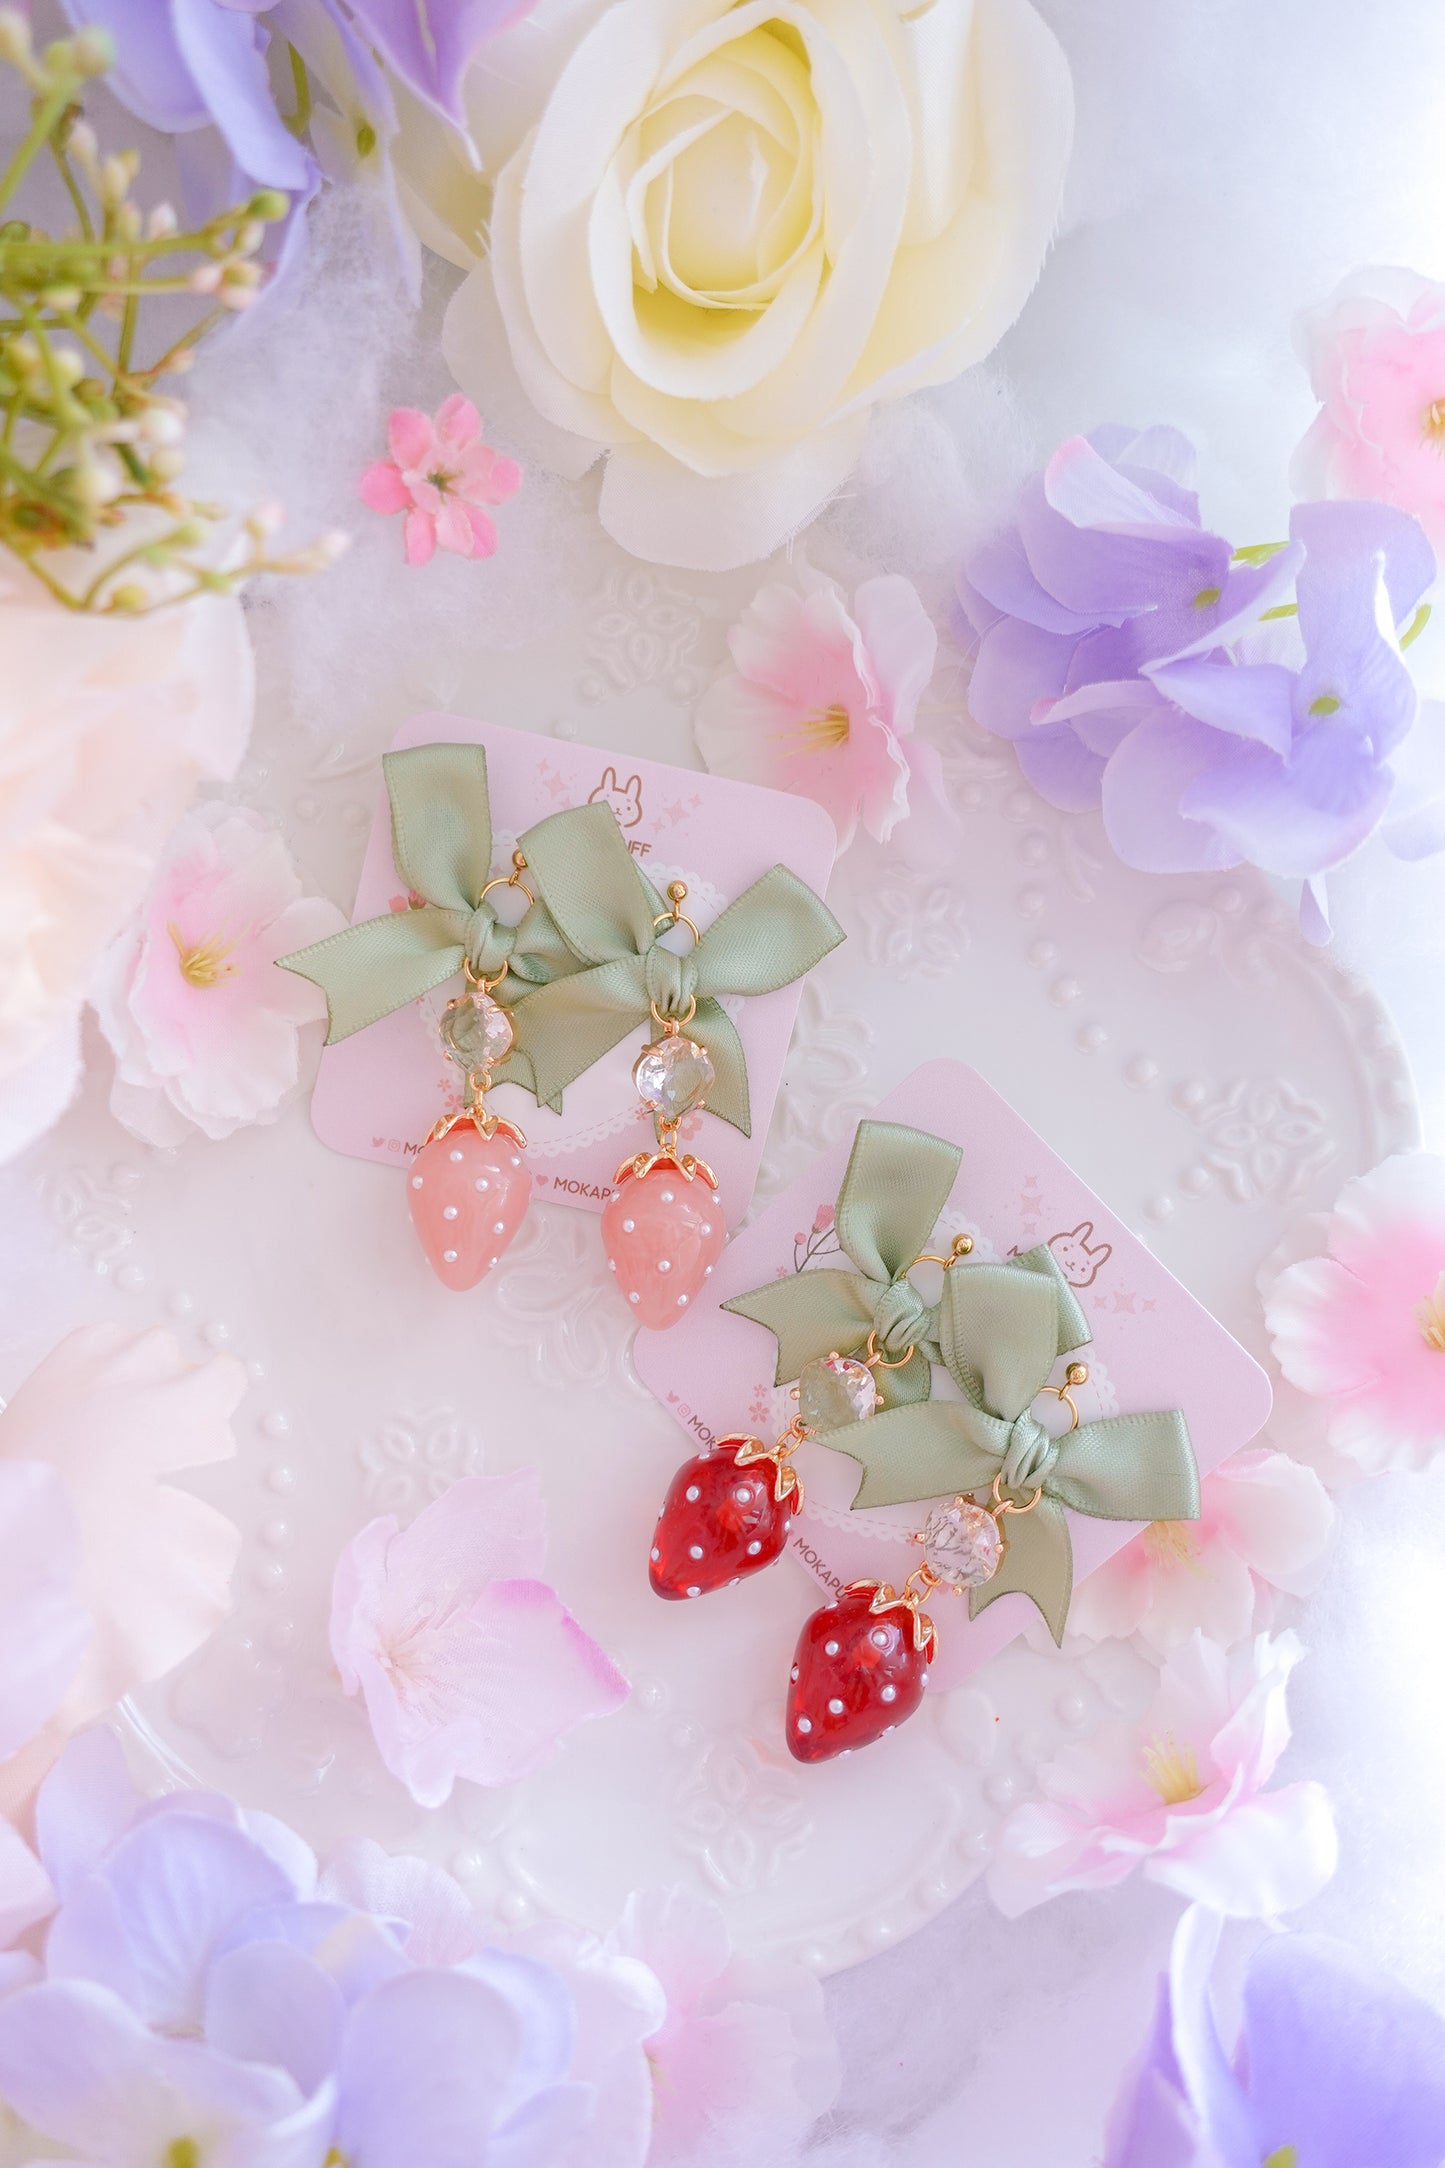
(441, 474)
(469, 1664)
(822, 695)
(204, 1024)
(744, 2061)
(1265, 1523)
(1362, 1327)
(1179, 1794)
(1376, 356)
(107, 1415)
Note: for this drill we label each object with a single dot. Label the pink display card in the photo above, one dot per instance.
(379, 1092)
(1154, 1346)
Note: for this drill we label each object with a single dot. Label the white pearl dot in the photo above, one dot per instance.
(416, 1181)
(449, 1211)
(666, 1196)
(879, 1637)
(889, 1693)
(923, 1678)
(664, 1264)
(787, 1528)
(830, 1648)
(753, 1549)
(656, 1552)
(516, 1159)
(499, 1227)
(480, 1182)
(743, 1493)
(634, 1296)
(694, 1550)
(682, 1302)
(835, 1707)
(793, 1674)
(694, 1592)
(692, 1493)
(706, 1228)
(612, 1264)
(449, 1257)
(804, 1724)
(627, 1226)
(455, 1157)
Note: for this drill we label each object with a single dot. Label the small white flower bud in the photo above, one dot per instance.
(205, 279)
(82, 145)
(68, 365)
(167, 464)
(15, 43)
(92, 51)
(266, 519)
(162, 223)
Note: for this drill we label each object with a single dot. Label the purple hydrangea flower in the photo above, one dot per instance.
(1336, 2065)
(1139, 664)
(206, 1999)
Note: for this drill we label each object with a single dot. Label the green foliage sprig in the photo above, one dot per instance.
(91, 436)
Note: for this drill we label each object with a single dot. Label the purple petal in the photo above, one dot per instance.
(1061, 769)
(1001, 574)
(1314, 912)
(1359, 676)
(150, 77)
(267, 2003)
(1144, 784)
(1248, 700)
(429, 43)
(1297, 817)
(1016, 667)
(1103, 545)
(1195, 627)
(1103, 715)
(1151, 2124)
(1344, 542)
(147, 1923)
(226, 60)
(1344, 2063)
(432, 2063)
(1203, 2066)
(86, 1802)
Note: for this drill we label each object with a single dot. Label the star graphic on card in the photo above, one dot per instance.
(554, 782)
(1124, 1303)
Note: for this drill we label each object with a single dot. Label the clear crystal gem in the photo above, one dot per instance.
(673, 1076)
(476, 1031)
(833, 1391)
(962, 1544)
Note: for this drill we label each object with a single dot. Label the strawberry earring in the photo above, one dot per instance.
(729, 1510)
(468, 1186)
(665, 1227)
(1004, 1482)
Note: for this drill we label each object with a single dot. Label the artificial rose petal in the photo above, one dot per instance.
(113, 1412)
(468, 1664)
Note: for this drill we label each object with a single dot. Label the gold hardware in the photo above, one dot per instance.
(962, 1245)
(874, 1359)
(676, 896)
(1076, 1374)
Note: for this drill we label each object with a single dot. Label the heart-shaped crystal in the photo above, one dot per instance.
(834, 1390)
(673, 1076)
(476, 1031)
(963, 1544)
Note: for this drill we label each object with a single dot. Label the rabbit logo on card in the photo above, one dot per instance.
(625, 799)
(1080, 1258)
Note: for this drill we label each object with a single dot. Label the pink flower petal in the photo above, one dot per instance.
(454, 528)
(484, 532)
(410, 437)
(421, 538)
(468, 1664)
(458, 423)
(383, 487)
(1273, 1853)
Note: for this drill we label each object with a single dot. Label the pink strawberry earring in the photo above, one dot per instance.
(663, 1229)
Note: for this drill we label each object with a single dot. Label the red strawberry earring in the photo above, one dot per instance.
(729, 1510)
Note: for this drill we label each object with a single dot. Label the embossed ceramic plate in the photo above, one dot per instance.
(1206, 1072)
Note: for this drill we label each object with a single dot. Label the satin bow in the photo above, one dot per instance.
(606, 910)
(441, 840)
(897, 1183)
(1002, 1327)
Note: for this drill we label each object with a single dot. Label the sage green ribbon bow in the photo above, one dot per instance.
(897, 1183)
(605, 909)
(1002, 1327)
(441, 839)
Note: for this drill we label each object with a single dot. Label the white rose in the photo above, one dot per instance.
(721, 233)
(107, 724)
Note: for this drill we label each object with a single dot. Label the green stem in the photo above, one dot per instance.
(47, 112)
(299, 121)
(1258, 553)
(1416, 626)
(72, 189)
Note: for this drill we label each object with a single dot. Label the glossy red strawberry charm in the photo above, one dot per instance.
(728, 1512)
(859, 1669)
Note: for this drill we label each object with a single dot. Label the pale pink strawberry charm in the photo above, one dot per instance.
(663, 1232)
(468, 1193)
